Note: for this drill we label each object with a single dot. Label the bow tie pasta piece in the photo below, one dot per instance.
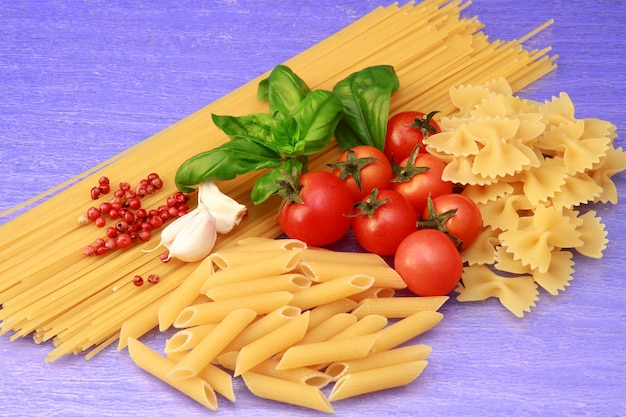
(559, 110)
(503, 212)
(543, 182)
(593, 235)
(517, 294)
(538, 235)
(483, 250)
(459, 170)
(482, 194)
(578, 189)
(455, 143)
(613, 162)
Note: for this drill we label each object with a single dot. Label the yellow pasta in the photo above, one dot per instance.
(406, 329)
(284, 282)
(212, 344)
(139, 324)
(376, 379)
(159, 366)
(398, 307)
(213, 311)
(332, 290)
(365, 325)
(324, 271)
(271, 343)
(325, 352)
(330, 328)
(322, 313)
(188, 338)
(379, 359)
(220, 380)
(286, 391)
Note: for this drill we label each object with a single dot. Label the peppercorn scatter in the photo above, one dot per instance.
(152, 279)
(125, 219)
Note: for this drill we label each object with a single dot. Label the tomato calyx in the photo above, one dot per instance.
(424, 124)
(438, 221)
(352, 166)
(369, 206)
(289, 187)
(406, 173)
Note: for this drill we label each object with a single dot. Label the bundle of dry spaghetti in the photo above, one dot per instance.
(49, 289)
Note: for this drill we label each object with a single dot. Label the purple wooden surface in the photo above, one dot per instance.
(81, 81)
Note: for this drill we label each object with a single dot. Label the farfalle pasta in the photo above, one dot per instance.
(533, 169)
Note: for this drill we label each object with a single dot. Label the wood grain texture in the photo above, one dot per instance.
(81, 81)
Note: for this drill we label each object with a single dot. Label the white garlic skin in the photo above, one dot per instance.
(228, 212)
(195, 239)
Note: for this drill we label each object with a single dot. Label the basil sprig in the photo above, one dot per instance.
(300, 123)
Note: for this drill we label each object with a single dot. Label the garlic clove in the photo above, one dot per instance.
(227, 211)
(168, 234)
(195, 240)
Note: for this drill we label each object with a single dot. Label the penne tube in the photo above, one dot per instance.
(286, 391)
(283, 282)
(384, 276)
(378, 360)
(326, 352)
(234, 257)
(323, 312)
(185, 294)
(376, 379)
(220, 380)
(374, 292)
(332, 326)
(214, 311)
(188, 338)
(263, 325)
(398, 307)
(358, 259)
(406, 329)
(139, 324)
(332, 290)
(258, 243)
(212, 344)
(271, 343)
(159, 366)
(366, 325)
(279, 264)
(302, 374)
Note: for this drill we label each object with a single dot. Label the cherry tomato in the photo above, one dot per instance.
(406, 130)
(323, 215)
(363, 168)
(382, 221)
(429, 263)
(456, 215)
(419, 177)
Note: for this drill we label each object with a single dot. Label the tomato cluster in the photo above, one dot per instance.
(396, 203)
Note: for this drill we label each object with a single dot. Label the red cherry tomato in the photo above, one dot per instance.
(417, 179)
(429, 263)
(363, 168)
(382, 221)
(406, 130)
(323, 215)
(454, 214)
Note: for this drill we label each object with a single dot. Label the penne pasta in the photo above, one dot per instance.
(184, 295)
(323, 312)
(376, 379)
(378, 360)
(365, 325)
(286, 391)
(332, 290)
(384, 275)
(406, 329)
(213, 311)
(188, 338)
(374, 292)
(139, 324)
(278, 264)
(159, 366)
(283, 282)
(212, 344)
(328, 351)
(271, 343)
(232, 257)
(220, 380)
(258, 243)
(358, 259)
(302, 374)
(332, 326)
(398, 307)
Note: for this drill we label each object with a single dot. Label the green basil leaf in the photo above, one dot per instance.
(256, 126)
(238, 156)
(316, 117)
(285, 90)
(263, 90)
(265, 186)
(345, 136)
(365, 96)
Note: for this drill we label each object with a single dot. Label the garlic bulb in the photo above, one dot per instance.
(193, 238)
(228, 212)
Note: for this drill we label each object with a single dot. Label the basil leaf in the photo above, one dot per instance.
(263, 90)
(345, 136)
(225, 162)
(365, 96)
(310, 127)
(266, 185)
(285, 90)
(256, 126)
